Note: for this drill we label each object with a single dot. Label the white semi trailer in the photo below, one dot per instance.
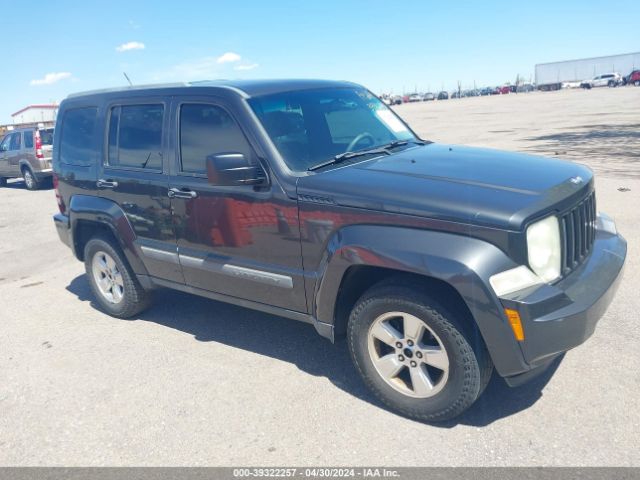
(551, 76)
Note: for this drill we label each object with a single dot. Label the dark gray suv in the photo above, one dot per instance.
(314, 201)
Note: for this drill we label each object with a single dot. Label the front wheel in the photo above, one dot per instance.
(417, 357)
(3, 182)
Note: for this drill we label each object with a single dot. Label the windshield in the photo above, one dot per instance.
(312, 126)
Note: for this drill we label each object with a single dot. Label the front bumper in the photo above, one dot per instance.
(558, 317)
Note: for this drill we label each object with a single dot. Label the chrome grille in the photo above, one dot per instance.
(578, 231)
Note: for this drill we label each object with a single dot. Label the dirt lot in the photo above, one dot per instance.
(195, 382)
(598, 127)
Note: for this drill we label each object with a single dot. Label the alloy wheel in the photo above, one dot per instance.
(28, 179)
(107, 277)
(408, 355)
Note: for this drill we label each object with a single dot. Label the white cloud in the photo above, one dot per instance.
(229, 57)
(197, 69)
(50, 78)
(248, 66)
(203, 68)
(130, 46)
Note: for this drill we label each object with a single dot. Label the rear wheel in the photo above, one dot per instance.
(30, 179)
(3, 182)
(416, 356)
(114, 284)
(611, 84)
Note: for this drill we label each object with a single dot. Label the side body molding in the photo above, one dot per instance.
(105, 212)
(463, 262)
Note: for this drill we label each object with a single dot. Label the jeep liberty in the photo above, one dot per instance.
(313, 200)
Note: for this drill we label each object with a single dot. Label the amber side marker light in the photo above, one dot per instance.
(516, 324)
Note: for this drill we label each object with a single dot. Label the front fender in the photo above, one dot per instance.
(465, 263)
(107, 213)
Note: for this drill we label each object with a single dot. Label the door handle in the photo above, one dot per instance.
(181, 193)
(106, 184)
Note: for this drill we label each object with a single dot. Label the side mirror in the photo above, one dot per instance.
(232, 168)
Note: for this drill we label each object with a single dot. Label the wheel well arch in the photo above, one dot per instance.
(24, 165)
(85, 230)
(360, 278)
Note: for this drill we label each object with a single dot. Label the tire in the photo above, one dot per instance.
(456, 383)
(611, 84)
(3, 182)
(30, 180)
(125, 297)
(637, 83)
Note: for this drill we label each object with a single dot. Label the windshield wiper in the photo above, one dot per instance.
(396, 143)
(341, 157)
(400, 143)
(381, 150)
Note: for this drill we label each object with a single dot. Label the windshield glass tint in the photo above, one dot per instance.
(312, 126)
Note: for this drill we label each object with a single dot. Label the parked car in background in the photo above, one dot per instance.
(405, 98)
(26, 153)
(428, 97)
(525, 88)
(456, 94)
(443, 95)
(464, 259)
(487, 91)
(396, 100)
(603, 80)
(415, 97)
(505, 89)
(633, 78)
(471, 93)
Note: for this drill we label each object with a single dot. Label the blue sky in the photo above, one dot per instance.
(385, 45)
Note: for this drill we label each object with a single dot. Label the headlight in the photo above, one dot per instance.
(544, 251)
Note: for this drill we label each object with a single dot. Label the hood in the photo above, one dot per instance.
(450, 182)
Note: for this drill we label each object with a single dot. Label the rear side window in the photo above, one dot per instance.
(135, 136)
(15, 141)
(76, 140)
(28, 139)
(207, 130)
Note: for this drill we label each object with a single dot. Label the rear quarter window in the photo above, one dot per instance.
(77, 136)
(46, 136)
(28, 139)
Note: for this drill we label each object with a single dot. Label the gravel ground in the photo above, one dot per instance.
(196, 382)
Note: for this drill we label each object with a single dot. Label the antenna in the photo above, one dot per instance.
(128, 79)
